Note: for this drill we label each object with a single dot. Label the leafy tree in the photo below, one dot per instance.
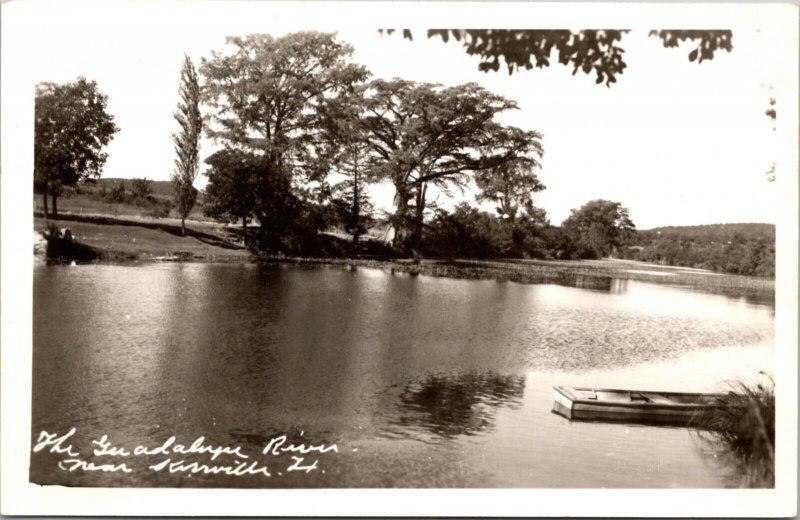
(510, 185)
(265, 97)
(467, 232)
(590, 50)
(424, 134)
(71, 128)
(229, 195)
(598, 228)
(348, 156)
(187, 142)
(350, 196)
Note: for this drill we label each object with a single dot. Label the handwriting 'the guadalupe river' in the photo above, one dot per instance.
(176, 462)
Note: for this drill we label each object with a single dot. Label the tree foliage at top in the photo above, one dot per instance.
(187, 141)
(72, 126)
(589, 50)
(708, 42)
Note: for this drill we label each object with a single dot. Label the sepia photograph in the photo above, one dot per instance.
(350, 247)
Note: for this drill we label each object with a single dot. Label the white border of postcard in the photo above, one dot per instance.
(21, 497)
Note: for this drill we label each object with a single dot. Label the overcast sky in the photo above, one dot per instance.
(675, 142)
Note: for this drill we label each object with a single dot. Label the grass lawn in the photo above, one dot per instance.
(129, 242)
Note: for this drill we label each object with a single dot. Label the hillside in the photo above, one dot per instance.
(715, 232)
(121, 197)
(159, 189)
(747, 249)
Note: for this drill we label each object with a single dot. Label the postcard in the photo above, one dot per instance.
(399, 259)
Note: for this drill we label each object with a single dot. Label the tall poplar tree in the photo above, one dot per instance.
(187, 142)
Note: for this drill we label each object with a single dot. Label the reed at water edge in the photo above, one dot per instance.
(743, 422)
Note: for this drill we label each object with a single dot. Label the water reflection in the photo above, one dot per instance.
(238, 353)
(595, 283)
(752, 296)
(458, 405)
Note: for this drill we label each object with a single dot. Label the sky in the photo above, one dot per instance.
(675, 142)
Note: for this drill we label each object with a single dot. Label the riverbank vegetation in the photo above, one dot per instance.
(743, 425)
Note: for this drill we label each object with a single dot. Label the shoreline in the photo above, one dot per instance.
(119, 241)
(599, 274)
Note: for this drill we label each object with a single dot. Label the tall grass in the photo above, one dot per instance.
(743, 423)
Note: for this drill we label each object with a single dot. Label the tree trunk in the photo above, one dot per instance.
(44, 199)
(400, 219)
(183, 226)
(356, 210)
(416, 237)
(244, 231)
(55, 206)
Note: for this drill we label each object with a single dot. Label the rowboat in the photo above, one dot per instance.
(632, 406)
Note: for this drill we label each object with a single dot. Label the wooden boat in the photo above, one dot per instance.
(632, 406)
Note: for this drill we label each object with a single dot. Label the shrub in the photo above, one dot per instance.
(117, 193)
(141, 188)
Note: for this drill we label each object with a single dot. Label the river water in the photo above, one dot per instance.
(417, 381)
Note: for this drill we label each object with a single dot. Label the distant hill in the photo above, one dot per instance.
(160, 189)
(747, 249)
(715, 232)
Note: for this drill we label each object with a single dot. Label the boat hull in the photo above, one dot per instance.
(633, 407)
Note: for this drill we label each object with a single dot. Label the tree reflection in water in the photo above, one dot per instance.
(449, 406)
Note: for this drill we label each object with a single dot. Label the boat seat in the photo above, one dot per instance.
(651, 398)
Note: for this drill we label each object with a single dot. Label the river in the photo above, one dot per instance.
(418, 381)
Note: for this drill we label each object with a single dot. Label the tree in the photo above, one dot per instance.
(598, 228)
(187, 142)
(346, 155)
(71, 128)
(510, 185)
(229, 194)
(587, 50)
(468, 232)
(265, 97)
(424, 134)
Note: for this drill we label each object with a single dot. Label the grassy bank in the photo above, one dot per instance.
(126, 240)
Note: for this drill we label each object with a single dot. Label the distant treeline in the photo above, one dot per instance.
(747, 249)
